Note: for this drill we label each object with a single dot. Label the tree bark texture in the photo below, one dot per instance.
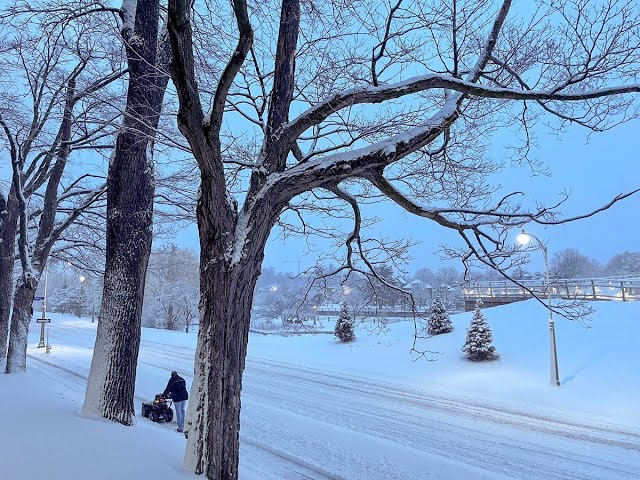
(213, 416)
(130, 184)
(7, 263)
(21, 315)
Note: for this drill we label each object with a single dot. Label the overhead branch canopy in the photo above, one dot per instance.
(406, 107)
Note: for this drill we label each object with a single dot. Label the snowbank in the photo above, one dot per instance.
(43, 436)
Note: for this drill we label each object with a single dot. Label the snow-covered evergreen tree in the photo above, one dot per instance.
(478, 345)
(78, 302)
(439, 321)
(344, 325)
(59, 298)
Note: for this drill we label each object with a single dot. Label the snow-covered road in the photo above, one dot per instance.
(320, 424)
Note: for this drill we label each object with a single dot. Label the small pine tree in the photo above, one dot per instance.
(344, 325)
(439, 321)
(77, 301)
(59, 299)
(478, 345)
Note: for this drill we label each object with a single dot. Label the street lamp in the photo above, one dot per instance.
(81, 295)
(523, 239)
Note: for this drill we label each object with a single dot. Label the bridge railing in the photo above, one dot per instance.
(608, 288)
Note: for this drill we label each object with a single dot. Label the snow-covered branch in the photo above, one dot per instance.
(370, 95)
(361, 162)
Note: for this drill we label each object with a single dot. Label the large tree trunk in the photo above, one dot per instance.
(130, 182)
(7, 263)
(213, 417)
(20, 318)
(128, 245)
(227, 286)
(231, 244)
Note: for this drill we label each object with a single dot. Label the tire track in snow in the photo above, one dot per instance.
(608, 435)
(406, 429)
(430, 400)
(406, 424)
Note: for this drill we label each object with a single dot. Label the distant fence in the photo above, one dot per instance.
(609, 288)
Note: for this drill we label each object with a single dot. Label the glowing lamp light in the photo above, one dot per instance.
(523, 238)
(82, 278)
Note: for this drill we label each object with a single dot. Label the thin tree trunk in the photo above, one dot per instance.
(171, 324)
(130, 183)
(7, 263)
(20, 318)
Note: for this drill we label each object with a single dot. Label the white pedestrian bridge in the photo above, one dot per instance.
(619, 288)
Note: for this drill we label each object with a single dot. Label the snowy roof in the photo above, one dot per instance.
(416, 283)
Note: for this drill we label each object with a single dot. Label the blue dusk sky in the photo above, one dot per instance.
(593, 168)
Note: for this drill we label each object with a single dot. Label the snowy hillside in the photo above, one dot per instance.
(315, 408)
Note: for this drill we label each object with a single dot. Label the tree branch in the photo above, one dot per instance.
(233, 67)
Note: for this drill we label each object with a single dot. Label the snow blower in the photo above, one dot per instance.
(159, 410)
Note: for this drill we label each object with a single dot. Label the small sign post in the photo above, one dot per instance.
(48, 347)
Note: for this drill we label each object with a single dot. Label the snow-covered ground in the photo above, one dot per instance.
(315, 408)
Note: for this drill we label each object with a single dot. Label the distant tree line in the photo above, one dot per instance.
(571, 263)
(172, 288)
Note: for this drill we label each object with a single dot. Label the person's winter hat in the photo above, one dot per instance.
(174, 373)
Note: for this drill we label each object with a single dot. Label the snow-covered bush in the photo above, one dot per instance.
(439, 321)
(478, 345)
(344, 325)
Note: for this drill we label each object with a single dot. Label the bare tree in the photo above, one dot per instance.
(64, 73)
(172, 291)
(135, 34)
(627, 263)
(308, 98)
(570, 263)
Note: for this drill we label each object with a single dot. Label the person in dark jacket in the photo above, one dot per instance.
(177, 390)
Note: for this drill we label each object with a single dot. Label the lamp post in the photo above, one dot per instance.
(81, 295)
(523, 239)
(41, 343)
